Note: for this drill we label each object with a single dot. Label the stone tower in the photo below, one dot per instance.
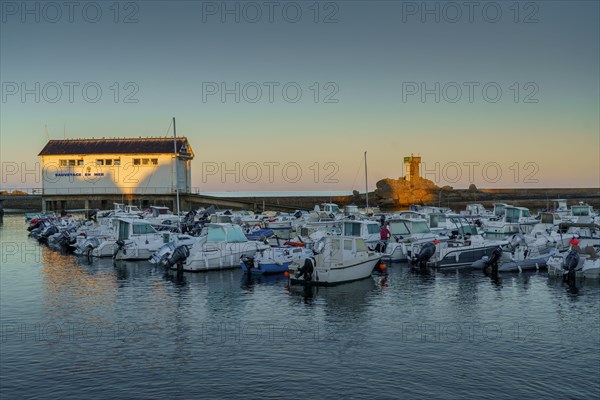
(411, 166)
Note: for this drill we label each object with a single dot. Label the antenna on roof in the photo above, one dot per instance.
(64, 131)
(46, 129)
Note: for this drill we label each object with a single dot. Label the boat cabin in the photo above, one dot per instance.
(559, 206)
(410, 215)
(405, 227)
(516, 215)
(329, 208)
(476, 209)
(159, 211)
(225, 233)
(582, 210)
(220, 219)
(337, 249)
(499, 209)
(368, 230)
(126, 228)
(550, 218)
(351, 210)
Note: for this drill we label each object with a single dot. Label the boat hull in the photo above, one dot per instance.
(341, 273)
(266, 268)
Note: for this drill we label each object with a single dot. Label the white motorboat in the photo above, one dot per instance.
(577, 263)
(462, 249)
(405, 233)
(338, 259)
(508, 220)
(221, 247)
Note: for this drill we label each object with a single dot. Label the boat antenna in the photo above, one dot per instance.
(366, 183)
(176, 174)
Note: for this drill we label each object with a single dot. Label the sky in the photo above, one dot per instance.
(288, 96)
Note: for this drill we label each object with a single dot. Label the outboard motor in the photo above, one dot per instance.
(307, 269)
(180, 254)
(427, 251)
(248, 262)
(88, 245)
(493, 259)
(161, 256)
(47, 233)
(120, 245)
(35, 225)
(64, 239)
(569, 266)
(571, 261)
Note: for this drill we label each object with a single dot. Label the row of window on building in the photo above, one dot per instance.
(109, 161)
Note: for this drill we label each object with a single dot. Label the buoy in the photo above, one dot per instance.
(286, 274)
(382, 266)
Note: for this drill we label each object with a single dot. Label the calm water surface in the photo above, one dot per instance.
(78, 330)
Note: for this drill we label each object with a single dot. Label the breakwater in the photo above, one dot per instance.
(456, 199)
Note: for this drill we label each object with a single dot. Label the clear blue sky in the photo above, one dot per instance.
(372, 59)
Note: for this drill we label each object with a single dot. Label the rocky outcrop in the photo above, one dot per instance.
(400, 192)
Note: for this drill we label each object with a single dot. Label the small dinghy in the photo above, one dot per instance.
(274, 260)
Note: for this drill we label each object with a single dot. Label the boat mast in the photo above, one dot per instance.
(366, 183)
(176, 174)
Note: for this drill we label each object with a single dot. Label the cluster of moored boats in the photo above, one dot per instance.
(329, 245)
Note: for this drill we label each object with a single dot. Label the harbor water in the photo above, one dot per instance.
(74, 329)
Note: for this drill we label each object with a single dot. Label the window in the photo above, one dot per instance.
(347, 244)
(372, 228)
(398, 228)
(351, 228)
(154, 161)
(71, 163)
(136, 161)
(63, 163)
(215, 234)
(108, 162)
(79, 162)
(420, 227)
(141, 229)
(235, 235)
(117, 162)
(360, 245)
(512, 215)
(145, 161)
(99, 162)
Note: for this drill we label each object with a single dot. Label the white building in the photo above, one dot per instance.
(116, 166)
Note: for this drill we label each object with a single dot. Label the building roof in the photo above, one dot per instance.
(153, 145)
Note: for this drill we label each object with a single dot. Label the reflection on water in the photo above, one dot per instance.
(132, 330)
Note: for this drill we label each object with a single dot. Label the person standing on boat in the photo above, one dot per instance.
(384, 235)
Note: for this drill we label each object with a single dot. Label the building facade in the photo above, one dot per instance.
(116, 166)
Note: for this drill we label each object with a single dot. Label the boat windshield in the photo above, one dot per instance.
(334, 209)
(398, 228)
(526, 214)
(467, 230)
(140, 229)
(546, 218)
(436, 220)
(235, 235)
(420, 227)
(579, 211)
